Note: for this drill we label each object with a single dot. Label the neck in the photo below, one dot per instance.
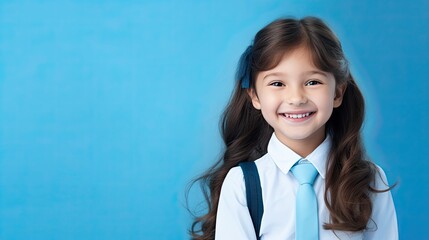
(303, 147)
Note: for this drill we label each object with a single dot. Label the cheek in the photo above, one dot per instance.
(325, 102)
(269, 102)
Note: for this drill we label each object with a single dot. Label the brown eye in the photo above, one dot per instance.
(312, 82)
(277, 84)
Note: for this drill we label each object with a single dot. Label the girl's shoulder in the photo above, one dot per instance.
(380, 179)
(235, 175)
(234, 187)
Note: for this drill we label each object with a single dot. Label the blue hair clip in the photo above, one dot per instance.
(243, 71)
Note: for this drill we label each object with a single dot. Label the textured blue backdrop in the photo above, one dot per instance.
(108, 108)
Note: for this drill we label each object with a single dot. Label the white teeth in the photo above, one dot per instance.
(296, 116)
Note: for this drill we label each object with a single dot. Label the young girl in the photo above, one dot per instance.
(296, 103)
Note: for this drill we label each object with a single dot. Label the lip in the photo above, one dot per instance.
(297, 116)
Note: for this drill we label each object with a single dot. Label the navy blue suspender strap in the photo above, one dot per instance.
(253, 194)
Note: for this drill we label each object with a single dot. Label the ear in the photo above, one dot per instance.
(339, 94)
(254, 97)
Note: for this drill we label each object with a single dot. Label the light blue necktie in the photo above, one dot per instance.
(307, 220)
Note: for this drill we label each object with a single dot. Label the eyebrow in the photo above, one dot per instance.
(316, 72)
(307, 73)
(275, 74)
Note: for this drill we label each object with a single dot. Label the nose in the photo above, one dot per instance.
(296, 97)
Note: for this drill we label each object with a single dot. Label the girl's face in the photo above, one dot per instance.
(297, 99)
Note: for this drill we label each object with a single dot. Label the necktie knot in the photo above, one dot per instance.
(305, 173)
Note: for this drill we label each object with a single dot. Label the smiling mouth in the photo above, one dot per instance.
(297, 116)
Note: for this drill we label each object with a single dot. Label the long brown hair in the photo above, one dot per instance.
(246, 134)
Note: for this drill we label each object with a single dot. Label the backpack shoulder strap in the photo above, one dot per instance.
(253, 194)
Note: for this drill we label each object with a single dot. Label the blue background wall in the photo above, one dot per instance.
(109, 108)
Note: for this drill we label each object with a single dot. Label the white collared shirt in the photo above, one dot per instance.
(279, 189)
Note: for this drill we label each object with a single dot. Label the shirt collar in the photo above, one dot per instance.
(285, 158)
